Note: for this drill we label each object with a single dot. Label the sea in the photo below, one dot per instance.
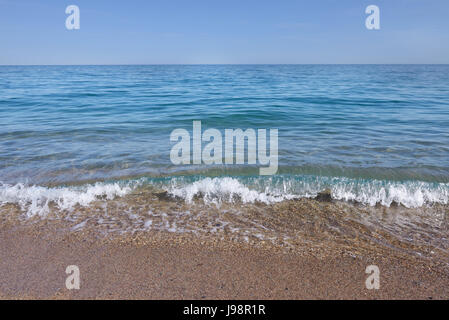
(84, 138)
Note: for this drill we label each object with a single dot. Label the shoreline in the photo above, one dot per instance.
(171, 266)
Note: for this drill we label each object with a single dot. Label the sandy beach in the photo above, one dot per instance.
(33, 260)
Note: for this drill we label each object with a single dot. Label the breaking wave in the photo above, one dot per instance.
(225, 189)
(410, 194)
(36, 200)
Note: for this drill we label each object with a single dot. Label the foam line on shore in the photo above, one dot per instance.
(35, 200)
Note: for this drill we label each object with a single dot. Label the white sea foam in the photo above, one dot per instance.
(410, 194)
(228, 189)
(35, 200)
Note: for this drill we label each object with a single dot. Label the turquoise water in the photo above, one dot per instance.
(356, 128)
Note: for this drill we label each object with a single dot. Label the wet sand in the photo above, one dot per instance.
(162, 265)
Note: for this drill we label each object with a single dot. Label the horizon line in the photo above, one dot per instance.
(209, 64)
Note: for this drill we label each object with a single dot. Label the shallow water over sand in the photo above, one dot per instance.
(293, 224)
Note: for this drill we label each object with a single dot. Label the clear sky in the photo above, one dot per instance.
(223, 31)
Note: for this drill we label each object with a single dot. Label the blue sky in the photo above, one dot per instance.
(223, 31)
